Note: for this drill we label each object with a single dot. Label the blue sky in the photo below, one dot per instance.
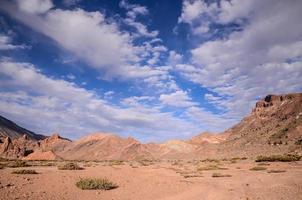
(154, 70)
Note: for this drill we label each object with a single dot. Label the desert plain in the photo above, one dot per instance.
(237, 178)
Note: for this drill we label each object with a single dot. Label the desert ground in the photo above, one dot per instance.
(162, 180)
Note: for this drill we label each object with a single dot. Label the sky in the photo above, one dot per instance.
(153, 70)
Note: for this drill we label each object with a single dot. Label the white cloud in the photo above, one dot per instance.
(197, 14)
(177, 99)
(134, 10)
(109, 94)
(71, 2)
(87, 35)
(35, 6)
(6, 43)
(252, 62)
(137, 100)
(57, 105)
(174, 58)
(71, 76)
(209, 121)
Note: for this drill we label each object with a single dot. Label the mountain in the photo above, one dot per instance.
(12, 130)
(274, 126)
(208, 138)
(105, 146)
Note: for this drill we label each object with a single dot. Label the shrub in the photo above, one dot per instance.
(116, 162)
(217, 175)
(24, 171)
(263, 164)
(192, 176)
(276, 171)
(211, 167)
(258, 168)
(18, 163)
(211, 160)
(70, 166)
(280, 158)
(298, 142)
(3, 159)
(96, 184)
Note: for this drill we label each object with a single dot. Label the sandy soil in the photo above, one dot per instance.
(161, 180)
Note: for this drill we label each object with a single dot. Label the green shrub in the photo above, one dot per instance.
(96, 184)
(258, 168)
(18, 163)
(217, 175)
(24, 171)
(70, 166)
(278, 158)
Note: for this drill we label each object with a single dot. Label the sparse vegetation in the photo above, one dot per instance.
(70, 166)
(116, 162)
(146, 162)
(217, 175)
(96, 184)
(17, 163)
(3, 159)
(278, 158)
(275, 171)
(298, 142)
(258, 168)
(211, 167)
(239, 158)
(263, 164)
(211, 160)
(192, 176)
(24, 171)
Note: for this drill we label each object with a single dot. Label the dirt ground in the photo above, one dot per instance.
(178, 180)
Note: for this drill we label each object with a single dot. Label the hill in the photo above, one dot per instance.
(12, 130)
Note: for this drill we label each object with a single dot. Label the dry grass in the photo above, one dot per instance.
(70, 166)
(192, 176)
(217, 175)
(116, 162)
(24, 171)
(263, 164)
(211, 167)
(145, 162)
(278, 158)
(276, 171)
(18, 163)
(3, 159)
(211, 160)
(96, 184)
(258, 168)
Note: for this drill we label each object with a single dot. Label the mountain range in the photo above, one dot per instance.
(274, 126)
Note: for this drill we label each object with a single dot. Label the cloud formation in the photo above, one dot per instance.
(56, 105)
(235, 52)
(251, 62)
